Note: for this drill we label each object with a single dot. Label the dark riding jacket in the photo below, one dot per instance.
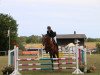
(51, 34)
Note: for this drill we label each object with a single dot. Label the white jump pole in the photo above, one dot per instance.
(85, 59)
(16, 72)
(9, 59)
(38, 54)
(17, 57)
(77, 71)
(42, 52)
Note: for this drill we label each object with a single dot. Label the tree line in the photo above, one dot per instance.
(30, 39)
(93, 40)
(38, 39)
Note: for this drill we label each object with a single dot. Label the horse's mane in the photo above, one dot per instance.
(47, 39)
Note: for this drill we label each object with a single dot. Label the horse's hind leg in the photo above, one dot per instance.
(54, 55)
(50, 55)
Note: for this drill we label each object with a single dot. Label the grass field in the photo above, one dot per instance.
(92, 60)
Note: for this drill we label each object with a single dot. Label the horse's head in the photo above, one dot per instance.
(46, 42)
(45, 39)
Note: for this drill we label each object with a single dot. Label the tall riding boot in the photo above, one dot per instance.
(57, 46)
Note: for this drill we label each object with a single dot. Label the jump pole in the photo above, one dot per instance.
(85, 59)
(77, 71)
(11, 57)
(83, 56)
(80, 55)
(16, 72)
(38, 54)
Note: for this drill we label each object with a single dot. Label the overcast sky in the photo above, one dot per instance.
(64, 16)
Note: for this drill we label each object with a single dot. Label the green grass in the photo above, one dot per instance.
(92, 60)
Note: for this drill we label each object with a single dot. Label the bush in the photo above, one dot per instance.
(7, 70)
(92, 68)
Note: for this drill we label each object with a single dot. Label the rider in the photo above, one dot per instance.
(51, 34)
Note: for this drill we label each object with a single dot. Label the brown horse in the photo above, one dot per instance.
(50, 46)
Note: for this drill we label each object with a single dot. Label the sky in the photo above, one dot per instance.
(64, 16)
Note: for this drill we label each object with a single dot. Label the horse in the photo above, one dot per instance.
(50, 47)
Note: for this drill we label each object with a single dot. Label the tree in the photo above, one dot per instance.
(34, 39)
(93, 40)
(7, 22)
(20, 44)
(22, 39)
